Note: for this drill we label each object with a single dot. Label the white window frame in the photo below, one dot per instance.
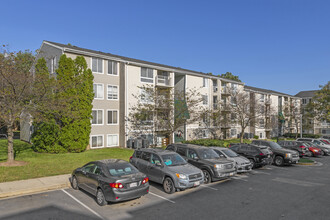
(112, 94)
(117, 145)
(102, 91)
(52, 65)
(96, 119)
(153, 76)
(91, 141)
(112, 116)
(97, 65)
(116, 62)
(205, 82)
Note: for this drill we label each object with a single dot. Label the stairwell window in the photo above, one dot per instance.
(97, 65)
(112, 92)
(205, 82)
(147, 75)
(113, 68)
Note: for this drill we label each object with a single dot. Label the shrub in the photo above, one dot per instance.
(215, 142)
(256, 137)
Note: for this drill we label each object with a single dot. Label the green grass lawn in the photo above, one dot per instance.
(43, 164)
(305, 160)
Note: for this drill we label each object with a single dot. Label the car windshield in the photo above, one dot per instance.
(324, 141)
(274, 145)
(229, 153)
(121, 169)
(207, 154)
(173, 160)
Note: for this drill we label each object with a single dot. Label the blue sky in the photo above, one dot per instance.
(283, 45)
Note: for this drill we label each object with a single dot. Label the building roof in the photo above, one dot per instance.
(71, 48)
(266, 91)
(309, 93)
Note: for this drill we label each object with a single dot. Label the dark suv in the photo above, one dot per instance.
(167, 168)
(213, 167)
(258, 156)
(296, 146)
(281, 155)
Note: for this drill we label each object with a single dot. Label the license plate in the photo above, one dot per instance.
(196, 183)
(231, 174)
(133, 184)
(268, 156)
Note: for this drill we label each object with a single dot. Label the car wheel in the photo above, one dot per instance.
(168, 185)
(279, 161)
(207, 176)
(322, 153)
(100, 199)
(74, 183)
(252, 163)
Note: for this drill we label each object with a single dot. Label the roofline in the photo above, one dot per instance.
(151, 64)
(264, 92)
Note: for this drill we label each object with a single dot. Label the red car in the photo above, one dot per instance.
(314, 150)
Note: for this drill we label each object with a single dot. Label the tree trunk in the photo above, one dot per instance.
(10, 143)
(241, 136)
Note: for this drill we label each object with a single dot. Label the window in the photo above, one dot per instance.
(181, 151)
(205, 99)
(234, 87)
(138, 154)
(97, 141)
(97, 117)
(205, 82)
(146, 96)
(304, 101)
(192, 154)
(112, 92)
(112, 68)
(98, 170)
(262, 98)
(233, 132)
(98, 91)
(262, 123)
(89, 168)
(147, 75)
(155, 159)
(112, 117)
(146, 156)
(97, 65)
(53, 65)
(112, 140)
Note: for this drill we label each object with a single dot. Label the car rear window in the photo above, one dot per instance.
(121, 169)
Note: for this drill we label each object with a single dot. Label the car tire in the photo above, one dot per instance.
(100, 198)
(252, 163)
(279, 161)
(74, 183)
(168, 185)
(207, 176)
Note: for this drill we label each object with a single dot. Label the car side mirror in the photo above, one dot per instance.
(221, 156)
(158, 164)
(83, 171)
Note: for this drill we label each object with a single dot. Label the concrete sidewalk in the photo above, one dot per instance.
(24, 187)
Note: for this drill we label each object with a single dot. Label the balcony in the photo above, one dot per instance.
(268, 102)
(225, 108)
(162, 80)
(225, 90)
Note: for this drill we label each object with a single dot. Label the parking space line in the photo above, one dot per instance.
(260, 172)
(161, 197)
(89, 209)
(209, 187)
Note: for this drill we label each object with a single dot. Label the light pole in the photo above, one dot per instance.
(301, 125)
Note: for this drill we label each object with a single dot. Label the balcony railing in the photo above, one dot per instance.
(225, 90)
(163, 80)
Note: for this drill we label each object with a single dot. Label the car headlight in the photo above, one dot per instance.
(288, 155)
(181, 176)
(218, 166)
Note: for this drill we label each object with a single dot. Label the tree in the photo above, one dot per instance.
(229, 75)
(245, 109)
(66, 127)
(163, 110)
(319, 108)
(20, 91)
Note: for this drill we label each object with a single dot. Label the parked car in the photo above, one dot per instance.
(213, 167)
(314, 149)
(110, 180)
(325, 148)
(296, 146)
(242, 163)
(258, 156)
(281, 155)
(167, 168)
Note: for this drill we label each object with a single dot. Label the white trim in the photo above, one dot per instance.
(117, 140)
(117, 68)
(102, 117)
(108, 116)
(92, 65)
(58, 47)
(117, 92)
(102, 91)
(91, 142)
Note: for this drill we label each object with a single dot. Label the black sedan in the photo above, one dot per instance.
(110, 180)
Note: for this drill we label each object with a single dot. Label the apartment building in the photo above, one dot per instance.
(117, 81)
(280, 113)
(311, 125)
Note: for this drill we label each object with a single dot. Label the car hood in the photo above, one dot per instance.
(239, 160)
(184, 169)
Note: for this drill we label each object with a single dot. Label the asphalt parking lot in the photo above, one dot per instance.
(289, 192)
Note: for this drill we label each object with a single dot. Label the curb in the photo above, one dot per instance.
(307, 164)
(32, 191)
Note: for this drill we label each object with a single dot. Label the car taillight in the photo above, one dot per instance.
(116, 185)
(302, 146)
(261, 154)
(145, 180)
(229, 145)
(131, 157)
